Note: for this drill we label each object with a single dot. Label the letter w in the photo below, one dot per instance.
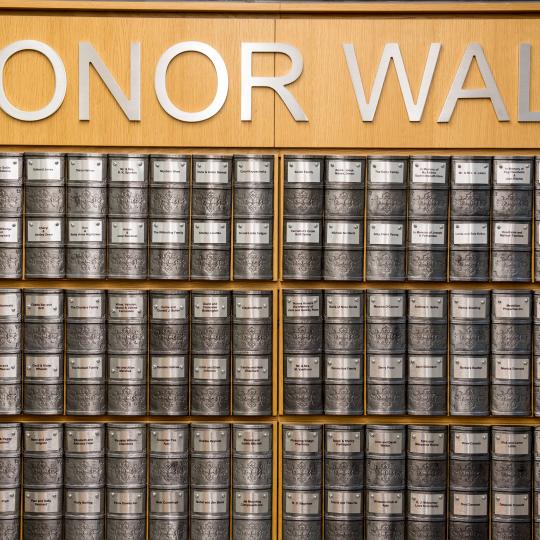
(391, 52)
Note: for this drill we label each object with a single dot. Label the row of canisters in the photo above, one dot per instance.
(113, 481)
(391, 482)
(163, 216)
(427, 218)
(124, 352)
(417, 346)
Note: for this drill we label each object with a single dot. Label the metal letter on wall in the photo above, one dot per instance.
(88, 55)
(60, 80)
(391, 52)
(222, 81)
(490, 91)
(524, 89)
(277, 84)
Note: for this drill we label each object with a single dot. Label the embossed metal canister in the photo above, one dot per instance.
(344, 456)
(45, 215)
(211, 189)
(209, 518)
(253, 248)
(343, 249)
(511, 322)
(169, 256)
(386, 384)
(10, 455)
(252, 352)
(344, 513)
(302, 351)
(11, 202)
(126, 513)
(344, 187)
(470, 322)
(512, 218)
(385, 457)
(536, 461)
(84, 513)
(385, 255)
(426, 514)
(86, 388)
(10, 513)
(42, 513)
(387, 186)
(427, 246)
(468, 515)
(470, 192)
(428, 191)
(511, 450)
(469, 458)
(385, 514)
(128, 185)
(126, 456)
(169, 185)
(252, 452)
(127, 248)
(302, 514)
(210, 249)
(536, 513)
(42, 456)
(10, 351)
(469, 249)
(510, 385)
(86, 215)
(469, 385)
(344, 351)
(302, 456)
(84, 451)
(302, 248)
(303, 195)
(253, 181)
(252, 513)
(427, 457)
(169, 358)
(210, 455)
(510, 515)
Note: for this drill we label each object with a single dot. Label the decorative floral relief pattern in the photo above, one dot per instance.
(252, 399)
(211, 202)
(171, 263)
(343, 264)
(254, 202)
(302, 472)
(43, 529)
(41, 397)
(387, 202)
(174, 529)
(210, 263)
(257, 529)
(44, 200)
(426, 399)
(11, 262)
(252, 263)
(210, 400)
(344, 202)
(385, 472)
(42, 261)
(85, 262)
(126, 471)
(87, 200)
(127, 262)
(86, 398)
(470, 399)
(252, 472)
(169, 399)
(303, 202)
(169, 337)
(469, 264)
(385, 264)
(169, 471)
(10, 200)
(255, 338)
(127, 201)
(84, 471)
(127, 399)
(171, 202)
(303, 398)
(470, 202)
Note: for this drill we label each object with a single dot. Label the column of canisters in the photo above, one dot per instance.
(252, 480)
(128, 210)
(43, 390)
(302, 351)
(86, 223)
(386, 351)
(45, 215)
(211, 217)
(210, 481)
(470, 316)
(512, 219)
(43, 477)
(252, 346)
(386, 221)
(303, 203)
(253, 208)
(11, 206)
(84, 481)
(168, 480)
(343, 352)
(427, 332)
(127, 348)
(10, 481)
(210, 352)
(86, 352)
(470, 206)
(11, 342)
(169, 176)
(302, 480)
(169, 352)
(343, 252)
(428, 213)
(126, 481)
(344, 481)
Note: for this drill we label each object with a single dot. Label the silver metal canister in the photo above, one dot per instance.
(127, 248)
(426, 514)
(302, 248)
(252, 352)
(45, 211)
(536, 461)
(344, 457)
(10, 455)
(468, 514)
(343, 257)
(385, 514)
(387, 186)
(210, 456)
(428, 186)
(427, 249)
(126, 456)
(427, 457)
(469, 458)
(470, 193)
(10, 351)
(210, 249)
(42, 513)
(511, 452)
(169, 346)
(169, 455)
(511, 514)
(511, 250)
(469, 249)
(385, 457)
(386, 384)
(128, 185)
(252, 513)
(302, 514)
(84, 455)
(253, 179)
(10, 513)
(469, 385)
(86, 215)
(302, 351)
(84, 513)
(344, 186)
(169, 255)
(211, 186)
(126, 513)
(86, 388)
(470, 322)
(302, 456)
(11, 201)
(511, 322)
(43, 456)
(385, 253)
(169, 185)
(209, 514)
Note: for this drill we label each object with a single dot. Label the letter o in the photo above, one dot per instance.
(60, 78)
(222, 81)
